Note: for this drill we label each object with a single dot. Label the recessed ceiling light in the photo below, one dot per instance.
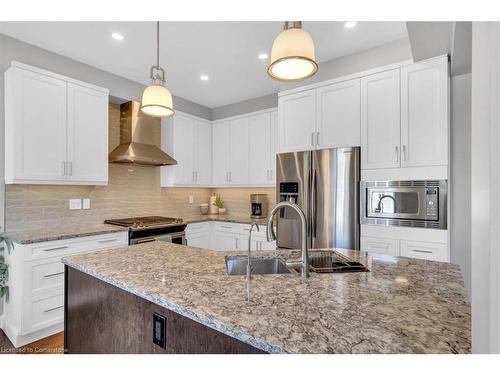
(263, 56)
(204, 77)
(350, 24)
(117, 36)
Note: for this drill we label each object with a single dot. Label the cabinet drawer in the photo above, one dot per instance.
(43, 276)
(42, 311)
(386, 246)
(227, 227)
(425, 250)
(197, 228)
(44, 250)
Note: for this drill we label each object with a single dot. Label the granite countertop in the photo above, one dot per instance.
(228, 218)
(403, 305)
(61, 233)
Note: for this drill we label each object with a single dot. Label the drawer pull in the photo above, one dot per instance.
(422, 251)
(54, 274)
(53, 309)
(56, 248)
(108, 240)
(376, 246)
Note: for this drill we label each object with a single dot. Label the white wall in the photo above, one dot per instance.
(460, 175)
(485, 186)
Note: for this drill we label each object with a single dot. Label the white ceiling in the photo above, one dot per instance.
(225, 51)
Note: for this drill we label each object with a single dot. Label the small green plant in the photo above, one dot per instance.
(4, 274)
(219, 203)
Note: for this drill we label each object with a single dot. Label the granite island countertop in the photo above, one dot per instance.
(402, 305)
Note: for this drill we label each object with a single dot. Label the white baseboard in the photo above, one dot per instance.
(19, 340)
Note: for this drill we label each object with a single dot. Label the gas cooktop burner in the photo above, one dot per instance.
(145, 221)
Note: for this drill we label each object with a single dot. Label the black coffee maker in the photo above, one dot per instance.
(259, 205)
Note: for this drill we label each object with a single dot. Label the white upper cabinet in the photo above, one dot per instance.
(424, 113)
(87, 134)
(338, 115)
(56, 129)
(239, 147)
(202, 152)
(260, 145)
(188, 140)
(297, 121)
(221, 143)
(380, 120)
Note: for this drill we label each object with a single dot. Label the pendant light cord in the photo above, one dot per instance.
(157, 44)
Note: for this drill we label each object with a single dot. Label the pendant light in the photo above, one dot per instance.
(156, 98)
(292, 55)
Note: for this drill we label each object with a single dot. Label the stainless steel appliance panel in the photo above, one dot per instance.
(334, 198)
(292, 168)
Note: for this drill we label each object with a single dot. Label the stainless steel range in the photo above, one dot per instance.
(152, 228)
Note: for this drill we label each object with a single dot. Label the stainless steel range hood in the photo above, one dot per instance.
(140, 136)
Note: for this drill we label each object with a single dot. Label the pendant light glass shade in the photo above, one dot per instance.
(292, 55)
(156, 98)
(157, 101)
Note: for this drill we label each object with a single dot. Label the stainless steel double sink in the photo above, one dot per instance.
(320, 261)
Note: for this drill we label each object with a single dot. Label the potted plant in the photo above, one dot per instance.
(4, 275)
(219, 203)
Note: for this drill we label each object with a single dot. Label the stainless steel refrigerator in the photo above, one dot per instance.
(325, 183)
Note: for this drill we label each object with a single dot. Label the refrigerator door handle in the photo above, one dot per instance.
(313, 203)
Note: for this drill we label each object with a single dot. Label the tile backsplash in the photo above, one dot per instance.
(131, 191)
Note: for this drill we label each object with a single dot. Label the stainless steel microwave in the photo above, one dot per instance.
(420, 203)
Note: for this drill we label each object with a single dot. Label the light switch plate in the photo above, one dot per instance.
(191, 199)
(86, 203)
(75, 204)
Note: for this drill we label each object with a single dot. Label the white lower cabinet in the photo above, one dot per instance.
(424, 250)
(429, 244)
(35, 308)
(223, 236)
(385, 246)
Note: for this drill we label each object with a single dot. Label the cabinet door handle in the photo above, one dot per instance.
(56, 248)
(53, 309)
(397, 153)
(237, 242)
(422, 251)
(192, 176)
(108, 240)
(196, 174)
(70, 168)
(404, 152)
(63, 168)
(53, 274)
(317, 138)
(230, 176)
(312, 139)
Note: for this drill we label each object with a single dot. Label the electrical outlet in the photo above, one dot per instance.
(191, 199)
(75, 204)
(159, 330)
(86, 203)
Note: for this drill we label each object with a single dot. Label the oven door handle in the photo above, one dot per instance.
(143, 240)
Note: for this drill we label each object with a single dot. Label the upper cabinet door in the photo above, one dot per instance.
(87, 135)
(274, 145)
(297, 121)
(260, 149)
(238, 174)
(380, 120)
(424, 113)
(35, 131)
(338, 115)
(221, 141)
(202, 152)
(183, 131)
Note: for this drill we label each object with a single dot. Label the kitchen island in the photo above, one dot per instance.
(402, 305)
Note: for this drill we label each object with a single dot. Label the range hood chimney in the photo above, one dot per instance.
(140, 136)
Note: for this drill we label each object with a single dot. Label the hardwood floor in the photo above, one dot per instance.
(50, 345)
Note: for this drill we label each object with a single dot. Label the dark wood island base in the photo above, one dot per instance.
(101, 318)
